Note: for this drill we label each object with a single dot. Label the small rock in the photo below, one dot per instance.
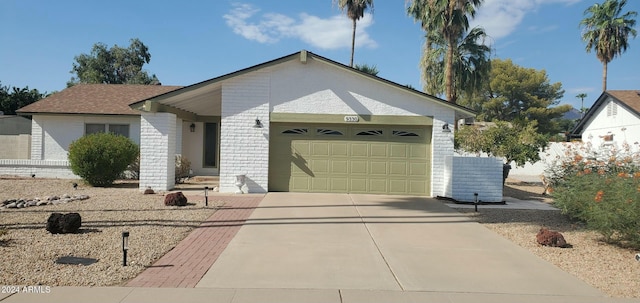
(40, 203)
(149, 191)
(175, 199)
(65, 196)
(20, 205)
(53, 198)
(82, 197)
(12, 205)
(31, 203)
(551, 238)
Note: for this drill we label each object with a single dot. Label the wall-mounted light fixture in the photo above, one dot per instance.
(258, 123)
(125, 247)
(192, 127)
(445, 128)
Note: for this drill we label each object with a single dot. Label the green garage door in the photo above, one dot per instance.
(382, 159)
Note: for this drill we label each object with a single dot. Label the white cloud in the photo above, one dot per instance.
(325, 33)
(500, 18)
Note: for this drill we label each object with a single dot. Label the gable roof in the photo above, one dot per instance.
(629, 99)
(303, 56)
(101, 99)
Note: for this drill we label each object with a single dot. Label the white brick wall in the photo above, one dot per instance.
(471, 175)
(244, 149)
(41, 168)
(441, 147)
(36, 139)
(157, 151)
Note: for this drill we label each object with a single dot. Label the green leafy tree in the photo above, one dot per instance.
(514, 143)
(519, 95)
(355, 10)
(369, 69)
(469, 63)
(606, 30)
(13, 98)
(115, 65)
(100, 158)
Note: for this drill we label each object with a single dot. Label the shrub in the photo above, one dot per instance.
(600, 187)
(100, 158)
(183, 168)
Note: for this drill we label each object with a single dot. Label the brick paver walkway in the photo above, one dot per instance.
(187, 263)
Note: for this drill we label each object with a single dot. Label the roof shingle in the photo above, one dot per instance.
(629, 97)
(103, 99)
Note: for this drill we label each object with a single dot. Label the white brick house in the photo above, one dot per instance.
(325, 127)
(298, 123)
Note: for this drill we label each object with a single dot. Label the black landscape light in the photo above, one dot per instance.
(206, 196)
(125, 247)
(476, 203)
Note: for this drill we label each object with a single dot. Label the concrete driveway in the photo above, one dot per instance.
(381, 243)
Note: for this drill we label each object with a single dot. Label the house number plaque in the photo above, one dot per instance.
(351, 119)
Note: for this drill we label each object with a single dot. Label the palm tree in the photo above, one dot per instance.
(369, 69)
(581, 96)
(355, 10)
(447, 20)
(606, 30)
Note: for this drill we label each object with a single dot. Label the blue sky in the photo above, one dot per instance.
(191, 41)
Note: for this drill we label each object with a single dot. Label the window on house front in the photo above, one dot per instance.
(94, 128)
(118, 129)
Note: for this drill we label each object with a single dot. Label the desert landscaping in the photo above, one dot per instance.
(30, 252)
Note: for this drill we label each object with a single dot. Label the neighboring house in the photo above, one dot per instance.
(63, 117)
(613, 119)
(11, 125)
(15, 140)
(299, 123)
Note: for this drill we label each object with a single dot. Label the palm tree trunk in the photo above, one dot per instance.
(448, 73)
(353, 42)
(604, 76)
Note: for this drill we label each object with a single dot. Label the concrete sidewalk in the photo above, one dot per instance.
(245, 295)
(358, 248)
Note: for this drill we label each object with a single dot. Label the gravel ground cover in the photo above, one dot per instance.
(609, 268)
(29, 252)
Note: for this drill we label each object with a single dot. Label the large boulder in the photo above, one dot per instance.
(64, 223)
(175, 199)
(551, 238)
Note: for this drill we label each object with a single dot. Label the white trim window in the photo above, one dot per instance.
(118, 129)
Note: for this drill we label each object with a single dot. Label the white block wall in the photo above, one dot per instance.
(41, 168)
(36, 139)
(441, 148)
(471, 175)
(244, 149)
(157, 150)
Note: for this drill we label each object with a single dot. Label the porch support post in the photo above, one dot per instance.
(157, 151)
(442, 147)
